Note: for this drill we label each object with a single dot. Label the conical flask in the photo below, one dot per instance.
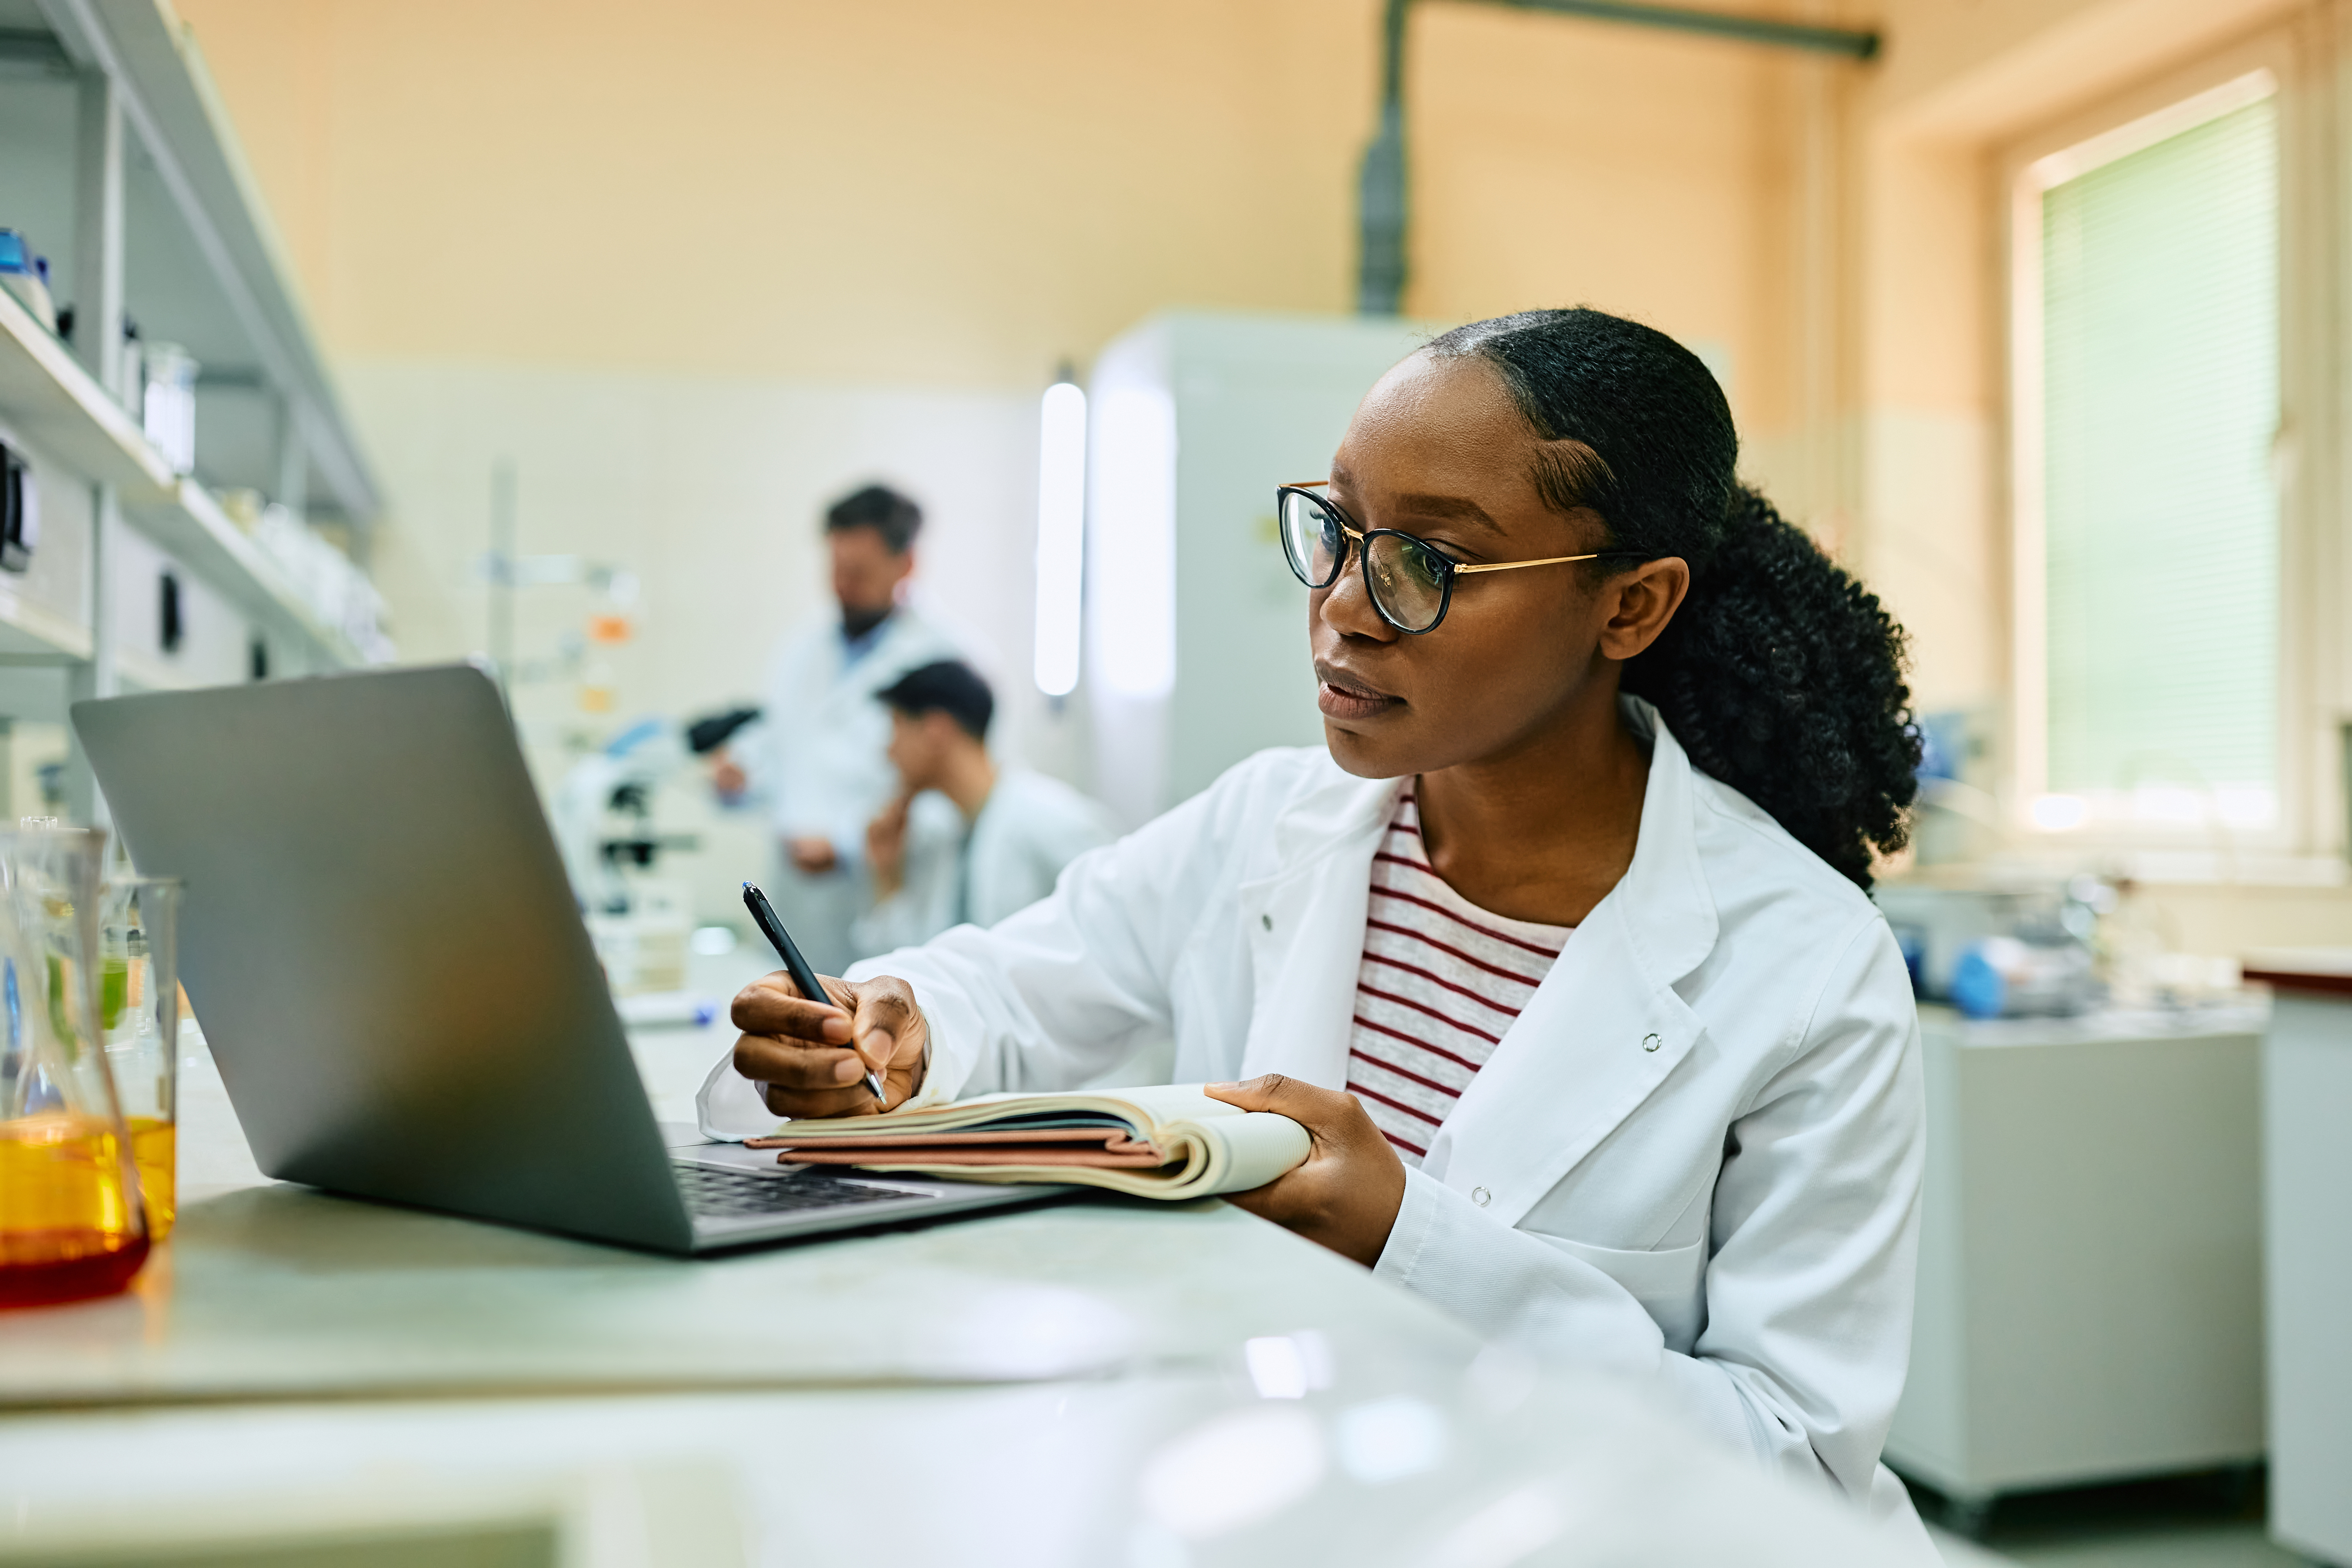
(71, 1221)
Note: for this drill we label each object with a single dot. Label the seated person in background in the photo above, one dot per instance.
(999, 850)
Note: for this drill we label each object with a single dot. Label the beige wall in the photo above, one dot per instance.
(930, 191)
(792, 201)
(886, 192)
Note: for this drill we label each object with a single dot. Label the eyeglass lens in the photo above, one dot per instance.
(1408, 581)
(1311, 538)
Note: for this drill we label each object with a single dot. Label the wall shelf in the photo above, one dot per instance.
(33, 633)
(123, 166)
(187, 521)
(59, 408)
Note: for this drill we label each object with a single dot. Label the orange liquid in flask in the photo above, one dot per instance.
(69, 1228)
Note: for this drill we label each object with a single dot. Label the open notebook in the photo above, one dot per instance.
(1166, 1141)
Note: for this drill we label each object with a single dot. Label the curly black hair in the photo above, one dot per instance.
(1779, 674)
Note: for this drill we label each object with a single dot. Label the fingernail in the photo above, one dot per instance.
(849, 1071)
(1220, 1086)
(837, 1027)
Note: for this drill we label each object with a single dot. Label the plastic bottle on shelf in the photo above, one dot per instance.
(169, 409)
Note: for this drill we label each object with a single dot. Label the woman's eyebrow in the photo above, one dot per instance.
(1454, 509)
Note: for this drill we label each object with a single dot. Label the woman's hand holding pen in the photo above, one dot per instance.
(809, 1057)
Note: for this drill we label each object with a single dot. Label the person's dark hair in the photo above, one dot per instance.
(1779, 674)
(878, 507)
(949, 687)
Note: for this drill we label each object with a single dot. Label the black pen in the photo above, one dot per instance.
(763, 915)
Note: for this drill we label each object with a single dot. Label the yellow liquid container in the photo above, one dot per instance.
(155, 1150)
(72, 1224)
(69, 1228)
(139, 1012)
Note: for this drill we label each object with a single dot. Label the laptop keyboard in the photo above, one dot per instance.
(733, 1193)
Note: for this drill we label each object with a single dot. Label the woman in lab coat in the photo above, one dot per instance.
(1665, 730)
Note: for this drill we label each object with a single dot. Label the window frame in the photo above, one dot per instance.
(2270, 64)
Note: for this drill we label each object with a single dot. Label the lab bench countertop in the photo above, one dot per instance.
(270, 1290)
(298, 1377)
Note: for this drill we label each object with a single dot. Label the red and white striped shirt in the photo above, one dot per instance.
(1442, 979)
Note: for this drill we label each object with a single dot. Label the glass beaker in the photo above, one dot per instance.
(139, 999)
(72, 1224)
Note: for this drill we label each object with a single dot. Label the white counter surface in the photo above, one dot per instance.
(1105, 1383)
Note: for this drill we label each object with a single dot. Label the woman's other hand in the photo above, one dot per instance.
(1347, 1193)
(810, 1057)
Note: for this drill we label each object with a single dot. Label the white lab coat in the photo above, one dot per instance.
(1029, 828)
(1695, 1158)
(828, 773)
(827, 770)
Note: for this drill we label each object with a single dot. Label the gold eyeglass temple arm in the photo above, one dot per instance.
(1513, 565)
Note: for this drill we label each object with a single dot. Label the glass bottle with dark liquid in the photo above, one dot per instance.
(72, 1221)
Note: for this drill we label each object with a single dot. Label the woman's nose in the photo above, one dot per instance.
(1347, 608)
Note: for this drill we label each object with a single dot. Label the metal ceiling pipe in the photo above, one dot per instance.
(1765, 30)
(1379, 275)
(1381, 249)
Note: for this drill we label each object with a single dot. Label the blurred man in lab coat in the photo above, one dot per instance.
(824, 775)
(965, 842)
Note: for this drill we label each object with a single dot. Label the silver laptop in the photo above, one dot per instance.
(393, 977)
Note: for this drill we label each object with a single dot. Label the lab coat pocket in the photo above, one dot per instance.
(1669, 1282)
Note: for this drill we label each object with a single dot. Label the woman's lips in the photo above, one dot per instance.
(1340, 698)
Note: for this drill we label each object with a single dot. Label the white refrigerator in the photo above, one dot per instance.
(1196, 630)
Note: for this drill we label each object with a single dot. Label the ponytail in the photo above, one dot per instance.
(1782, 677)
(1779, 675)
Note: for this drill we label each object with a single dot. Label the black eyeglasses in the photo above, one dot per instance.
(1411, 582)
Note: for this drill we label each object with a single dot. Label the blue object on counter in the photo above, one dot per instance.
(1979, 990)
(14, 254)
(1913, 944)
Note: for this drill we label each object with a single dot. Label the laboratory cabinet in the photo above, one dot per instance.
(2307, 1247)
(45, 605)
(1196, 630)
(2090, 1301)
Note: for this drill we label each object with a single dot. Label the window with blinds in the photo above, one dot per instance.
(2160, 521)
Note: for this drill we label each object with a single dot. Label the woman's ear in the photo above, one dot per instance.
(1639, 603)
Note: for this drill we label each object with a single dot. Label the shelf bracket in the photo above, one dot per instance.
(98, 231)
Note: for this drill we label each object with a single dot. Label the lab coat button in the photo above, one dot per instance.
(1480, 1196)
(1649, 1042)
(1266, 921)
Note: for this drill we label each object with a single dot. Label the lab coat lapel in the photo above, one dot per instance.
(1305, 925)
(1605, 1028)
